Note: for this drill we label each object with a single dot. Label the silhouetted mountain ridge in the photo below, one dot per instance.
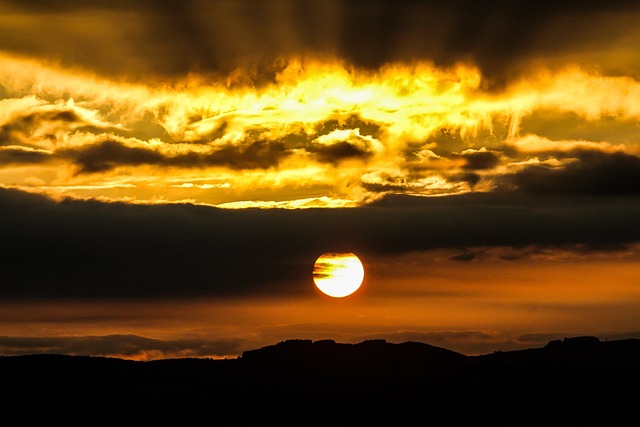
(375, 358)
(574, 379)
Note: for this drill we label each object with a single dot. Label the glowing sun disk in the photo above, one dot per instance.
(338, 274)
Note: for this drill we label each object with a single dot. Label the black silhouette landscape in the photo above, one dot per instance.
(570, 381)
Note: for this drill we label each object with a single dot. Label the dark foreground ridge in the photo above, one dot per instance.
(303, 382)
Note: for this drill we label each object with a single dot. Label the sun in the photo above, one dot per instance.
(338, 274)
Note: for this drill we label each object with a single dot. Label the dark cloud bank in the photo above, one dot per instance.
(594, 172)
(173, 38)
(93, 249)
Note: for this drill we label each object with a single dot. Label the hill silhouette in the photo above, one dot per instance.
(303, 382)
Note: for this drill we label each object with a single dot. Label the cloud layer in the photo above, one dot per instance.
(89, 249)
(144, 38)
(322, 132)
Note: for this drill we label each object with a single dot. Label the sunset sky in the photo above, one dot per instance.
(171, 170)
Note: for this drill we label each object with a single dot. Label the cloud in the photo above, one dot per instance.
(465, 257)
(257, 154)
(261, 154)
(158, 38)
(475, 160)
(343, 144)
(351, 121)
(339, 151)
(470, 178)
(255, 151)
(42, 123)
(592, 172)
(89, 249)
(108, 154)
(19, 155)
(534, 144)
(20, 128)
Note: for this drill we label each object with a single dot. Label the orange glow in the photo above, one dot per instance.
(469, 307)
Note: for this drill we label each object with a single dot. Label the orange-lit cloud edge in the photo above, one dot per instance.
(322, 133)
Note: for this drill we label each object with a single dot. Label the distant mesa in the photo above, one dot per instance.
(574, 342)
(376, 358)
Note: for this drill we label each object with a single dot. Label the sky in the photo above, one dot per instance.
(171, 170)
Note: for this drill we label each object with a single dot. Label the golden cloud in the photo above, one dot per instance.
(319, 133)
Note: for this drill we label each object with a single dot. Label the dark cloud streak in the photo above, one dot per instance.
(260, 154)
(12, 156)
(480, 160)
(119, 345)
(107, 155)
(341, 150)
(592, 172)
